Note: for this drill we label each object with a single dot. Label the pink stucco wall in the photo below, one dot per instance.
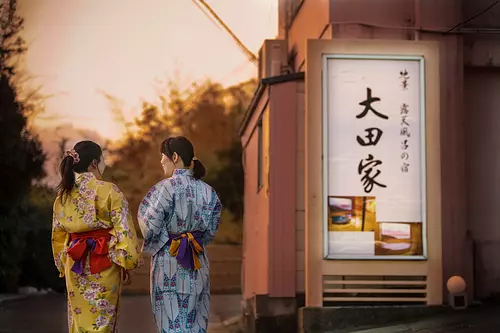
(271, 222)
(283, 186)
(300, 201)
(311, 21)
(482, 100)
(255, 273)
(482, 121)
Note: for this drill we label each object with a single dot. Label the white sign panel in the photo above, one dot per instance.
(374, 170)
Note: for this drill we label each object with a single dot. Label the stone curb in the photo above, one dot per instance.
(12, 297)
(22, 295)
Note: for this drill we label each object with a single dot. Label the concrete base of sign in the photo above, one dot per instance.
(339, 319)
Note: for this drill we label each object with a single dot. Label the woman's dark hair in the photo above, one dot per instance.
(86, 152)
(184, 148)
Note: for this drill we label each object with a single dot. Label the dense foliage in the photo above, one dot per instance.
(209, 115)
(21, 156)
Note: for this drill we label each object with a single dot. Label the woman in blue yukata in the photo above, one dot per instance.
(178, 217)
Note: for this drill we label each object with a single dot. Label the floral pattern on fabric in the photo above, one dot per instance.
(93, 298)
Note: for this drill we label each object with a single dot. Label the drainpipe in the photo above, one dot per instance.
(282, 19)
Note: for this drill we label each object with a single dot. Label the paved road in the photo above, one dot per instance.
(47, 314)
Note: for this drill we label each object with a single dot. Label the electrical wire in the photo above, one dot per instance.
(252, 57)
(474, 17)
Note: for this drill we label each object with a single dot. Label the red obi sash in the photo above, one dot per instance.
(95, 242)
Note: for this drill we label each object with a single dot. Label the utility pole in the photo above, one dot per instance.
(252, 57)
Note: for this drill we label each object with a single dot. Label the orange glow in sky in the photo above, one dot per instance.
(122, 47)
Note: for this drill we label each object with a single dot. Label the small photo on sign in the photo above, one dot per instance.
(347, 213)
(398, 239)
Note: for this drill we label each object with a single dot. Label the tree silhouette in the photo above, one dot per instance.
(21, 154)
(11, 43)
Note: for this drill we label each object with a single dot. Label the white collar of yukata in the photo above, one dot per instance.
(183, 172)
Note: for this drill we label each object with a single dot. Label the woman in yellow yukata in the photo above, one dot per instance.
(93, 240)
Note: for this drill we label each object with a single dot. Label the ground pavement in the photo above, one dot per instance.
(481, 319)
(47, 314)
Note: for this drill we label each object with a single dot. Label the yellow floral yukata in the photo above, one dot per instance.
(94, 205)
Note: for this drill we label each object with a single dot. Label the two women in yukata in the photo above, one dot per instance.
(95, 243)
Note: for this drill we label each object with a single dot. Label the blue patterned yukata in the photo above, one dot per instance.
(178, 217)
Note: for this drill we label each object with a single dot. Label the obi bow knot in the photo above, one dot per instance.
(94, 243)
(185, 248)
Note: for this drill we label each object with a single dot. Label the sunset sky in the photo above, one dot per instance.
(122, 47)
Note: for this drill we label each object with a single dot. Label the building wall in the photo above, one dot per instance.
(482, 84)
(463, 201)
(256, 217)
(300, 214)
(283, 188)
(382, 19)
(457, 246)
(275, 214)
(482, 50)
(311, 21)
(489, 19)
(482, 100)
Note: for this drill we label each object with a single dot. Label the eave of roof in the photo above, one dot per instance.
(263, 84)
